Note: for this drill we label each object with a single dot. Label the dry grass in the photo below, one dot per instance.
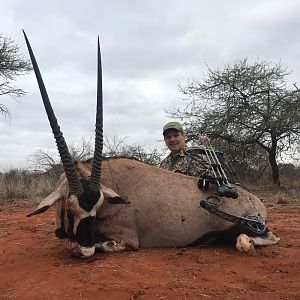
(28, 187)
(287, 194)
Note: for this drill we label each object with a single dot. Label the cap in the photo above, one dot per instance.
(172, 125)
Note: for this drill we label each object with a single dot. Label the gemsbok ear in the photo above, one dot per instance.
(58, 194)
(112, 197)
(117, 200)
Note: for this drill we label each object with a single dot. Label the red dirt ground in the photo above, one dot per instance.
(36, 265)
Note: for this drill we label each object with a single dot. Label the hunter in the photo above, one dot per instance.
(179, 160)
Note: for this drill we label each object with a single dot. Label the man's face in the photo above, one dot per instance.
(175, 140)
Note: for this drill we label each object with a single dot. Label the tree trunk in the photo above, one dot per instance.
(274, 167)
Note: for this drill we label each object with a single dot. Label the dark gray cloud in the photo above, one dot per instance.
(147, 48)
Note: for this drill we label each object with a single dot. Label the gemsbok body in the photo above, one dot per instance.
(121, 204)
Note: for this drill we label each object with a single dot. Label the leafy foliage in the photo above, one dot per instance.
(12, 65)
(244, 105)
(45, 160)
(118, 147)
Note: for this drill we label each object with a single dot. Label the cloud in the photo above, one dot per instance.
(148, 47)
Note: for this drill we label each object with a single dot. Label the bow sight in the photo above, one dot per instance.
(216, 173)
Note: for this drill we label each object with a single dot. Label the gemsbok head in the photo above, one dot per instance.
(85, 195)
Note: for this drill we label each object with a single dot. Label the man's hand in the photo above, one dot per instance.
(203, 138)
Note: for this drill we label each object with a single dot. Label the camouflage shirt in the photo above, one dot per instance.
(185, 163)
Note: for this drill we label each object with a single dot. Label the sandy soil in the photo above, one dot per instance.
(36, 265)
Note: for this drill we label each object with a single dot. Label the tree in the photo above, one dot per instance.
(246, 104)
(118, 147)
(12, 65)
(45, 160)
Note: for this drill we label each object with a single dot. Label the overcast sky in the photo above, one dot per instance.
(148, 47)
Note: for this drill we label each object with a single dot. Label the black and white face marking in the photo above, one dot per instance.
(61, 222)
(81, 223)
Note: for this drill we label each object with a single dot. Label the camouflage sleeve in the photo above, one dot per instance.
(198, 165)
(192, 165)
(178, 164)
(165, 164)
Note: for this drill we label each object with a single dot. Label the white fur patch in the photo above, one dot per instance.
(82, 252)
(244, 244)
(269, 239)
(79, 213)
(115, 246)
